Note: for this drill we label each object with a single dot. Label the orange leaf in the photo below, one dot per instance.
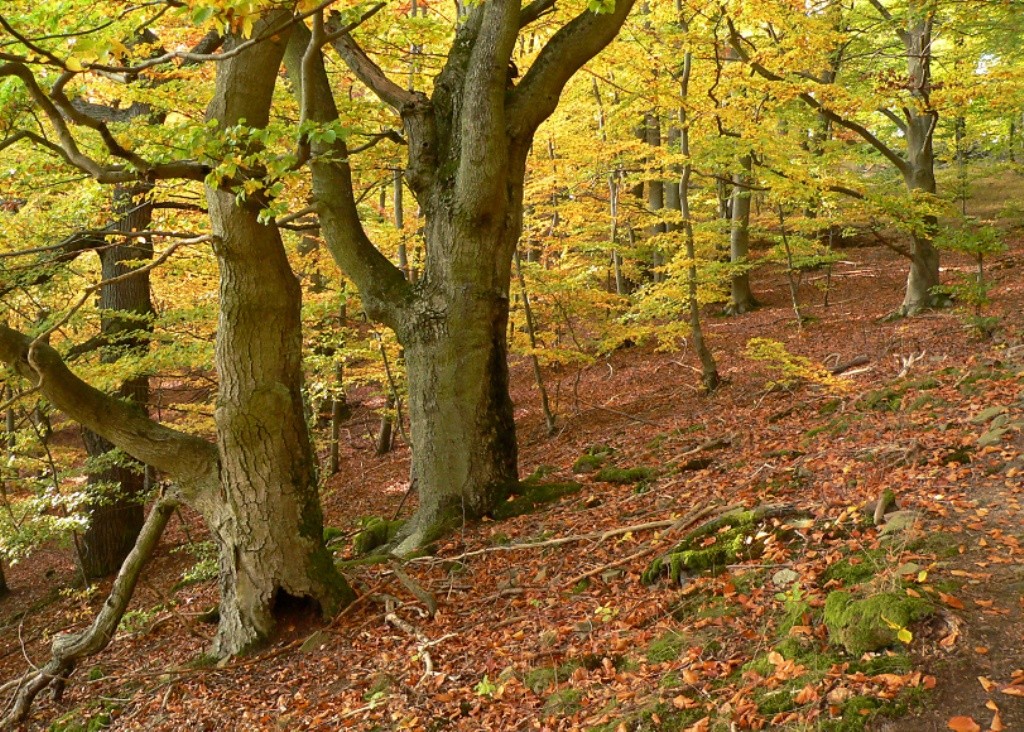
(997, 724)
(963, 724)
(986, 684)
(1014, 690)
(951, 601)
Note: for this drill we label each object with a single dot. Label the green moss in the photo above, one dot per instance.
(528, 496)
(588, 464)
(564, 702)
(940, 543)
(540, 679)
(667, 647)
(890, 663)
(856, 568)
(331, 533)
(375, 533)
(872, 623)
(830, 407)
(592, 458)
(733, 541)
(382, 684)
(626, 475)
(542, 472)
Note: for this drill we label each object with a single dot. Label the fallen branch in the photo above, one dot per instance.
(598, 535)
(70, 648)
(418, 592)
(685, 522)
(844, 367)
(423, 642)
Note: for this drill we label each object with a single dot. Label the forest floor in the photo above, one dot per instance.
(522, 640)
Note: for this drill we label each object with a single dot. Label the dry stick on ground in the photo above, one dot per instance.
(423, 642)
(685, 522)
(598, 535)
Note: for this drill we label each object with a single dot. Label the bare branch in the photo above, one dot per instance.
(367, 70)
(894, 118)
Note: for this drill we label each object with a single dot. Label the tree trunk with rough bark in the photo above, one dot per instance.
(115, 522)
(919, 173)
(467, 147)
(270, 529)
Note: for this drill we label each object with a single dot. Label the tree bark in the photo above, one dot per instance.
(467, 145)
(741, 298)
(919, 173)
(115, 522)
(270, 530)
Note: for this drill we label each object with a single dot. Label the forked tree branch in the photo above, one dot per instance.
(536, 96)
(381, 283)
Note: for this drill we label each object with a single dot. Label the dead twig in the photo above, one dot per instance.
(685, 522)
(598, 535)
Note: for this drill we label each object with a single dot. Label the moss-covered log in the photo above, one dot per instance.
(721, 541)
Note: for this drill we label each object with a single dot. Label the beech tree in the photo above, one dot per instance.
(256, 487)
(467, 142)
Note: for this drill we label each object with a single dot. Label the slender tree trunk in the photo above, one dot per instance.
(531, 332)
(115, 521)
(919, 174)
(741, 299)
(709, 368)
(655, 194)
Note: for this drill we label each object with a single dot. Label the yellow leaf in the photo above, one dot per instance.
(73, 64)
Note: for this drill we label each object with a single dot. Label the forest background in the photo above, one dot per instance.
(181, 176)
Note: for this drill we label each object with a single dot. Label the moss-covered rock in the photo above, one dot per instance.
(529, 495)
(588, 464)
(375, 533)
(592, 459)
(871, 623)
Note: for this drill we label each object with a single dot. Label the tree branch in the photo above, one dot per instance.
(535, 10)
(573, 45)
(366, 69)
(188, 459)
(736, 42)
(381, 284)
(889, 114)
(70, 648)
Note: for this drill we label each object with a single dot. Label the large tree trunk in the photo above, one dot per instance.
(115, 521)
(270, 528)
(467, 148)
(463, 432)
